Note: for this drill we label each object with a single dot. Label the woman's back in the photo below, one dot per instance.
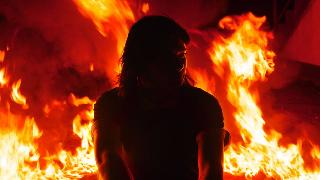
(159, 142)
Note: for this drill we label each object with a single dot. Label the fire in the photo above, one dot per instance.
(202, 80)
(17, 96)
(18, 150)
(20, 156)
(2, 54)
(108, 16)
(91, 68)
(19, 134)
(145, 8)
(3, 78)
(245, 54)
(242, 60)
(315, 152)
(111, 17)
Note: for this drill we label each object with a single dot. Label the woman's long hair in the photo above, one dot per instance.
(147, 38)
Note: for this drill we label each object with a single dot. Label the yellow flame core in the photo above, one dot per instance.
(19, 155)
(22, 159)
(17, 96)
(3, 79)
(245, 53)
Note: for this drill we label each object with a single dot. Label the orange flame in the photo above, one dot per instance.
(315, 152)
(245, 53)
(20, 158)
(2, 54)
(3, 79)
(17, 96)
(108, 16)
(18, 152)
(145, 8)
(91, 68)
(202, 80)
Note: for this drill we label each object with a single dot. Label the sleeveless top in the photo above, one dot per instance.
(160, 142)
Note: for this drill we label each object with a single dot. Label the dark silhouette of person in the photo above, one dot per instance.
(155, 124)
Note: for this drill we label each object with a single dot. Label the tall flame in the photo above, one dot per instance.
(108, 16)
(111, 17)
(243, 59)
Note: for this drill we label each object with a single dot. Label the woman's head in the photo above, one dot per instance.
(154, 55)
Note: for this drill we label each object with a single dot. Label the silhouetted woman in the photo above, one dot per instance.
(156, 125)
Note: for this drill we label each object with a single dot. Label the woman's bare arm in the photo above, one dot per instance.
(107, 144)
(210, 154)
(108, 158)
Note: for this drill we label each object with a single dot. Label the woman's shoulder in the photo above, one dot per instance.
(199, 95)
(206, 105)
(107, 107)
(108, 100)
(109, 95)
